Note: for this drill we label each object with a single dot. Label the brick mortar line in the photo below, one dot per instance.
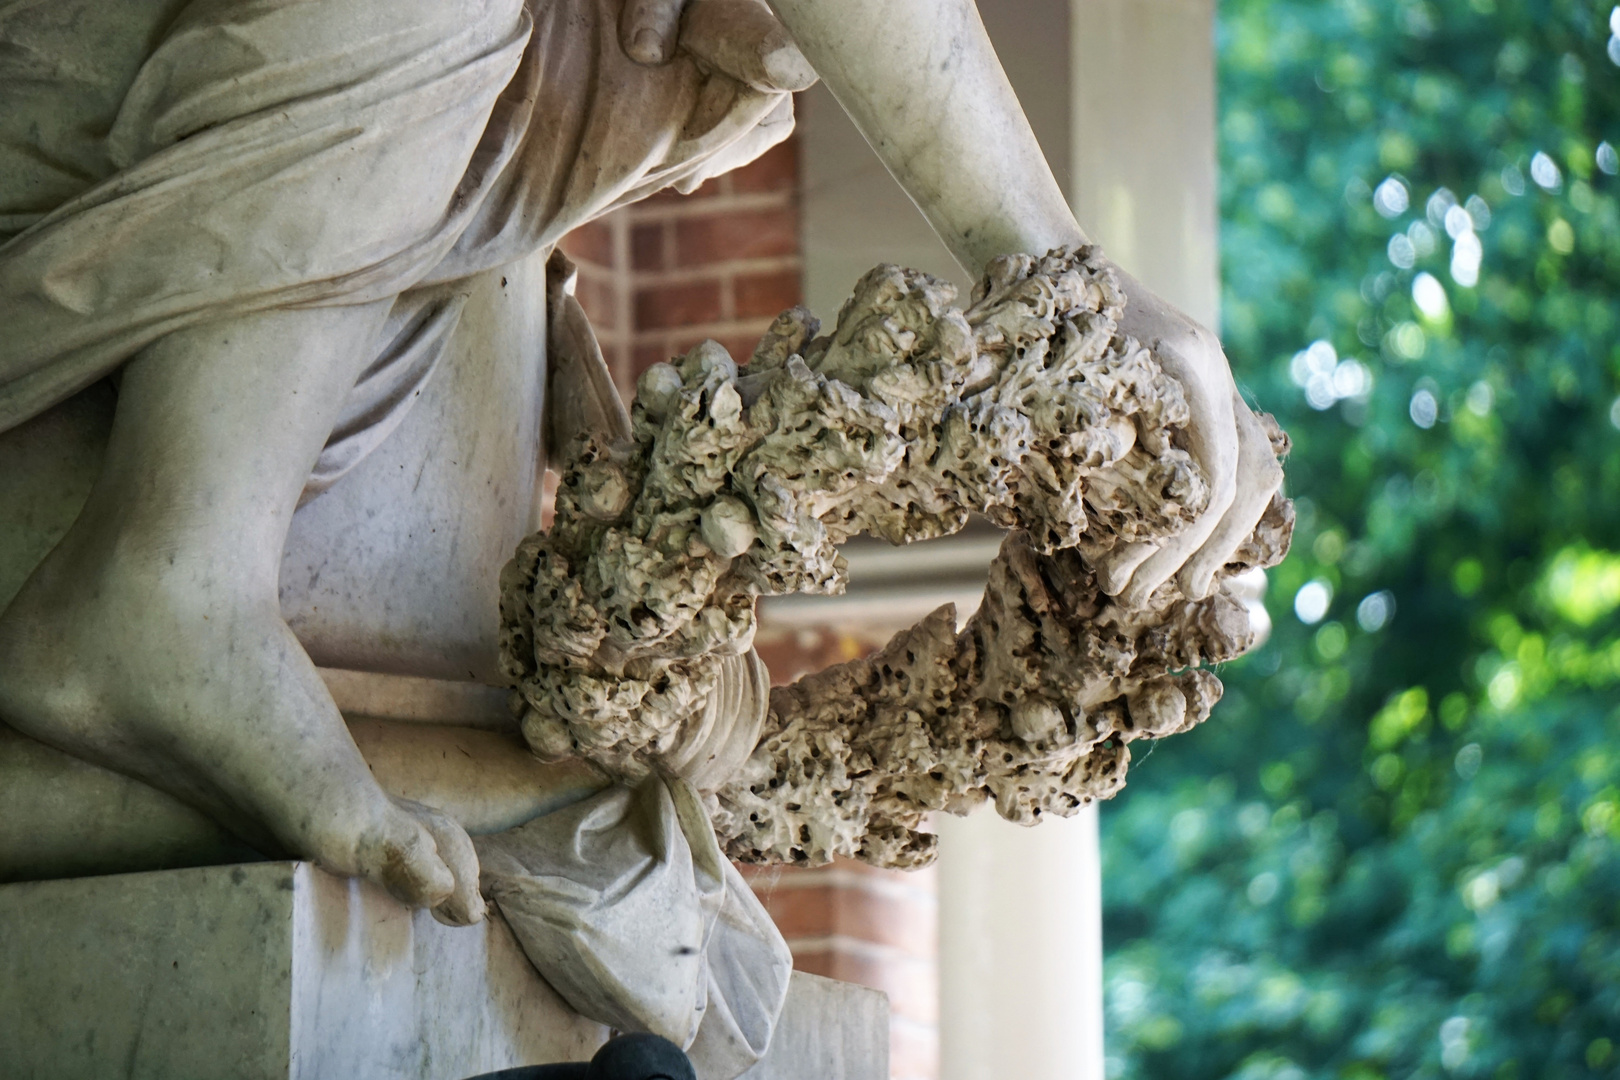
(775, 264)
(702, 330)
(711, 206)
(870, 950)
(856, 882)
(624, 308)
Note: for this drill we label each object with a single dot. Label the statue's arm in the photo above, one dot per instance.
(921, 81)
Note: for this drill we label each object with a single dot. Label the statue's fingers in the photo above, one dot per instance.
(1193, 356)
(464, 906)
(648, 28)
(1158, 567)
(1258, 478)
(741, 38)
(1114, 570)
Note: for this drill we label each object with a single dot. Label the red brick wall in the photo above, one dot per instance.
(874, 927)
(656, 278)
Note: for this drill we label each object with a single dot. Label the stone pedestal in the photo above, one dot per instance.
(277, 970)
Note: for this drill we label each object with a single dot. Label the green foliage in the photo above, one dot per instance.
(1394, 851)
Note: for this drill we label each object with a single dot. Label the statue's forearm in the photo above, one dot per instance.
(922, 82)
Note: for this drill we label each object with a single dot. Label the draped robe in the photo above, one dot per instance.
(166, 162)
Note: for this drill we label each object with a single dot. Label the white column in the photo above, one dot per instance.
(1142, 156)
(1020, 963)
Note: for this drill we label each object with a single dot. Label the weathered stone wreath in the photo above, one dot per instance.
(1028, 408)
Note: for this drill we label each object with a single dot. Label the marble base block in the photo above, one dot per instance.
(278, 970)
(830, 1030)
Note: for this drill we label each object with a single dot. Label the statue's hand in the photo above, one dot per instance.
(647, 29)
(740, 38)
(1224, 437)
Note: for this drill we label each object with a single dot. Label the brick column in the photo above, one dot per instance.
(874, 927)
(656, 278)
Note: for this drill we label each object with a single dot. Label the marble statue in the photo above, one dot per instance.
(628, 619)
(256, 215)
(250, 228)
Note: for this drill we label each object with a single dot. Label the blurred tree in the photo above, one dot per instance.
(1394, 851)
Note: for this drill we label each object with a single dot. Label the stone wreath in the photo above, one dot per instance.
(622, 622)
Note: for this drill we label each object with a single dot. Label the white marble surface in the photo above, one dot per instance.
(277, 970)
(259, 971)
(47, 467)
(396, 568)
(63, 817)
(830, 1030)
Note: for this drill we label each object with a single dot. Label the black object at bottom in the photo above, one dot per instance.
(628, 1057)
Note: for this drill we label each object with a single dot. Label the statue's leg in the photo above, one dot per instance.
(151, 640)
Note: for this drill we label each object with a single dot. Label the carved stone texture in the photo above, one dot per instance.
(1029, 408)
(1031, 706)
